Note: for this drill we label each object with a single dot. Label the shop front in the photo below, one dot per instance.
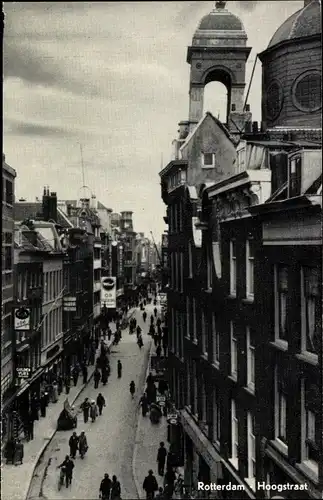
(284, 481)
(203, 463)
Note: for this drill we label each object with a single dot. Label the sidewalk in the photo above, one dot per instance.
(148, 437)
(15, 480)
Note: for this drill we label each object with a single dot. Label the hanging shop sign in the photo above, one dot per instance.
(22, 318)
(69, 304)
(23, 373)
(109, 292)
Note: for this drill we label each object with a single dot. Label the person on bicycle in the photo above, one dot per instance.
(67, 467)
(132, 389)
(140, 342)
(105, 487)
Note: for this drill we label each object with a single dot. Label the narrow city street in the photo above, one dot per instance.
(111, 438)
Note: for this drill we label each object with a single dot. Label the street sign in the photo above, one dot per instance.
(22, 318)
(23, 373)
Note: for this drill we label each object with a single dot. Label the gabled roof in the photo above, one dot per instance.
(33, 210)
(103, 207)
(218, 123)
(25, 210)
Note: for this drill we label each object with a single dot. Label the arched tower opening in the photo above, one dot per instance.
(218, 54)
(217, 93)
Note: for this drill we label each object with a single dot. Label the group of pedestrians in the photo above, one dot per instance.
(170, 482)
(92, 408)
(110, 490)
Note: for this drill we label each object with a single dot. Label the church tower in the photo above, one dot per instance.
(219, 53)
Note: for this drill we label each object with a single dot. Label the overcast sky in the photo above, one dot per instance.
(112, 76)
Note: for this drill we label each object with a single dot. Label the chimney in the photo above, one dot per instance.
(183, 129)
(52, 210)
(45, 204)
(248, 108)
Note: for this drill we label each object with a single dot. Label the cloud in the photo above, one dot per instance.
(247, 4)
(34, 129)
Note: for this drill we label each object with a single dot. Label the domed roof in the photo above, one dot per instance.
(220, 19)
(303, 23)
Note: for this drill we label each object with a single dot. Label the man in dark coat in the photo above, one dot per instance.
(43, 404)
(84, 373)
(97, 378)
(30, 426)
(73, 444)
(100, 401)
(115, 489)
(85, 406)
(75, 374)
(161, 458)
(105, 487)
(68, 466)
(150, 485)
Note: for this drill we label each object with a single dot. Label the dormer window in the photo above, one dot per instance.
(294, 182)
(208, 160)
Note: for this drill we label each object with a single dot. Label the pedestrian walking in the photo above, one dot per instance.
(155, 311)
(109, 333)
(105, 487)
(18, 453)
(43, 404)
(115, 489)
(67, 383)
(73, 444)
(104, 375)
(132, 389)
(119, 368)
(68, 466)
(158, 351)
(100, 401)
(150, 485)
(97, 378)
(75, 375)
(144, 404)
(83, 446)
(93, 411)
(60, 384)
(161, 458)
(85, 406)
(54, 392)
(84, 373)
(34, 405)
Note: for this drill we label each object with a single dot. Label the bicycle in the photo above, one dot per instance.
(61, 479)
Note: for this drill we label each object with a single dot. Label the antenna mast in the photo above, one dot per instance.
(82, 163)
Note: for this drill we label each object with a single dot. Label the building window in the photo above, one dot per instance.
(234, 352)
(172, 263)
(188, 386)
(216, 416)
(215, 341)
(195, 389)
(307, 91)
(310, 425)
(190, 260)
(311, 310)
(209, 265)
(233, 268)
(188, 317)
(181, 271)
(251, 447)
(241, 160)
(234, 434)
(295, 177)
(281, 292)
(250, 264)
(250, 358)
(175, 219)
(9, 192)
(274, 100)
(312, 449)
(208, 160)
(194, 320)
(7, 258)
(204, 333)
(280, 410)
